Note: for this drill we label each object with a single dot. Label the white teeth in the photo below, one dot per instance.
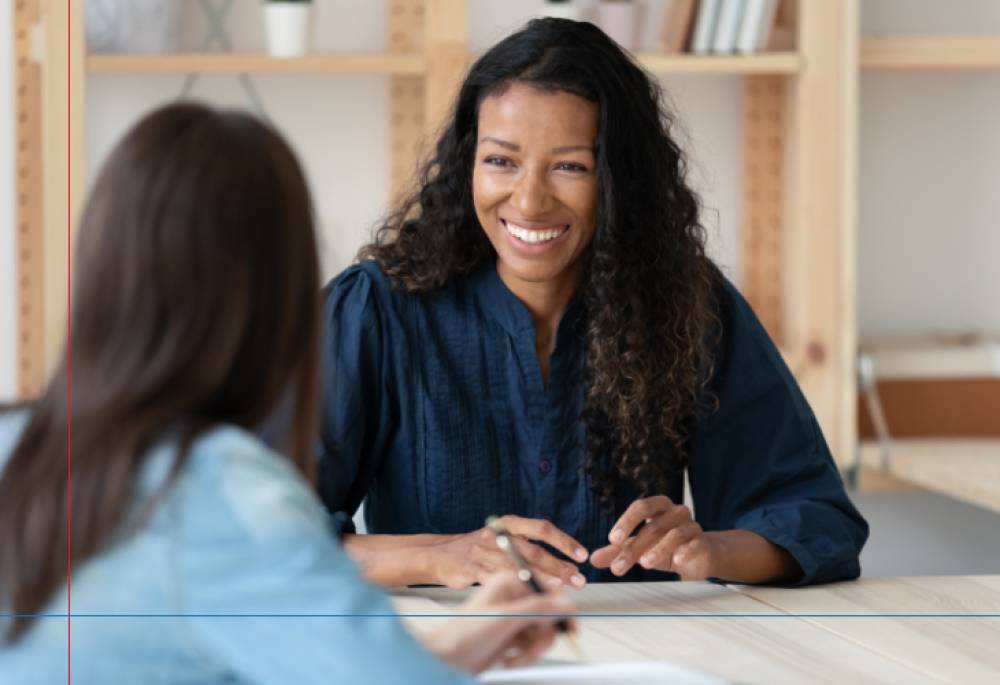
(533, 237)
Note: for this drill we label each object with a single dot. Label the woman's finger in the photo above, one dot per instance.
(547, 532)
(661, 555)
(637, 512)
(548, 567)
(651, 534)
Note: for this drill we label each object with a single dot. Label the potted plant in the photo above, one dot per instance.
(288, 24)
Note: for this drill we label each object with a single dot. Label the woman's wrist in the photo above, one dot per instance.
(748, 557)
(394, 560)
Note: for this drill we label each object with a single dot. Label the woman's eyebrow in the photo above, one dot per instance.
(502, 143)
(562, 149)
(574, 148)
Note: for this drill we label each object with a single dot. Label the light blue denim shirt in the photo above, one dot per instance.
(238, 545)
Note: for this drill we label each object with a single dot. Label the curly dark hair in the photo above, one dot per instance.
(650, 291)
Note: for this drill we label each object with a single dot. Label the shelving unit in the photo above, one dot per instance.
(800, 134)
(967, 469)
(930, 53)
(394, 64)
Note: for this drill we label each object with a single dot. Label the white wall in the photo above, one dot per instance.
(8, 292)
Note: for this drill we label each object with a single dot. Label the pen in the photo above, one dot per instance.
(524, 573)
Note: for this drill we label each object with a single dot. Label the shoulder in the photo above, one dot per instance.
(361, 294)
(359, 282)
(249, 487)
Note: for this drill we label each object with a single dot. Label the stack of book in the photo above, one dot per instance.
(718, 26)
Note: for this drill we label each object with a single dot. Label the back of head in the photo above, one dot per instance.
(195, 303)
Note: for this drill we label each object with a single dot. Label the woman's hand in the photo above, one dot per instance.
(461, 560)
(477, 642)
(672, 540)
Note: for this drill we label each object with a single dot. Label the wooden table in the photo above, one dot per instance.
(874, 630)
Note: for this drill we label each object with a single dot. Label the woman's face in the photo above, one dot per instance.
(534, 182)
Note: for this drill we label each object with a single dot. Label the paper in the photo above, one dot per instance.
(615, 673)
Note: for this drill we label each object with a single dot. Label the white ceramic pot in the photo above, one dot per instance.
(561, 10)
(289, 28)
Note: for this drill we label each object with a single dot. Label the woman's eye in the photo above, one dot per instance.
(496, 161)
(570, 166)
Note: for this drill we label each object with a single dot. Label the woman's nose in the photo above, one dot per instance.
(531, 195)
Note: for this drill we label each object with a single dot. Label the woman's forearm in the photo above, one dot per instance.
(393, 560)
(750, 558)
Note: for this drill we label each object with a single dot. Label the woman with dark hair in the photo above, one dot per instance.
(198, 554)
(537, 332)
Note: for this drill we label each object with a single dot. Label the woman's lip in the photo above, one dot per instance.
(534, 225)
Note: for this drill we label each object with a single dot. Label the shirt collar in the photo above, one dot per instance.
(493, 296)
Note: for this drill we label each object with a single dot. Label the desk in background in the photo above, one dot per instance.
(790, 637)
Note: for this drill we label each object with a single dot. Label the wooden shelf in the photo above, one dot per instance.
(407, 64)
(966, 469)
(761, 63)
(930, 52)
(394, 64)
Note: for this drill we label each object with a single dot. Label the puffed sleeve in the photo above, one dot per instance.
(357, 414)
(269, 596)
(760, 462)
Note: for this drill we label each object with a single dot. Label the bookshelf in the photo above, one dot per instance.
(930, 53)
(409, 64)
(393, 64)
(800, 126)
(965, 468)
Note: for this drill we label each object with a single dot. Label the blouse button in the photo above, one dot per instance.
(545, 466)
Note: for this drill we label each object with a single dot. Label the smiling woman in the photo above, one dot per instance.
(534, 187)
(537, 332)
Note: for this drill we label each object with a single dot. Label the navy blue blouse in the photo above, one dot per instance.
(435, 412)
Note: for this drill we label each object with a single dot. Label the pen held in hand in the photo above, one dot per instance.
(505, 543)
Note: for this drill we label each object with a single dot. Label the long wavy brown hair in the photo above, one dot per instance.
(650, 291)
(196, 303)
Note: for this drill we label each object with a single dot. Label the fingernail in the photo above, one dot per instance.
(617, 535)
(578, 580)
(580, 554)
(618, 566)
(647, 559)
(555, 582)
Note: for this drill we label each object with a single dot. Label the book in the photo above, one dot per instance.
(704, 26)
(728, 26)
(678, 18)
(755, 29)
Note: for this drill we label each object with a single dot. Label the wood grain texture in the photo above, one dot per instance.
(948, 650)
(821, 226)
(29, 241)
(763, 184)
(768, 648)
(967, 408)
(400, 62)
(406, 97)
(930, 53)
